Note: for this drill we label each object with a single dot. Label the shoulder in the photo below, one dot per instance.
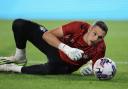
(78, 24)
(102, 45)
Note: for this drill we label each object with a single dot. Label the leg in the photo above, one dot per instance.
(43, 69)
(26, 30)
(50, 68)
(37, 69)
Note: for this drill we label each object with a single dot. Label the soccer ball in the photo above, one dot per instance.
(104, 69)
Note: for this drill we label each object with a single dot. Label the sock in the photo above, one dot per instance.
(11, 67)
(20, 54)
(15, 68)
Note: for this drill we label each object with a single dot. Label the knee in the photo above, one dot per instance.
(17, 24)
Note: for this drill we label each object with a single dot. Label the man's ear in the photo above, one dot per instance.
(90, 28)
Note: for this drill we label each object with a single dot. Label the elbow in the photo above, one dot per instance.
(45, 35)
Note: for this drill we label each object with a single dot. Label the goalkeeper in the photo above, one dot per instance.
(67, 47)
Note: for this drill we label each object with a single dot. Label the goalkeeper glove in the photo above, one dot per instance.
(87, 70)
(73, 53)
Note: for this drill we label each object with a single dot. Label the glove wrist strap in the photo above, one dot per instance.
(61, 46)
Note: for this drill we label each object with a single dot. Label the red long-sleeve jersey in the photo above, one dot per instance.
(73, 36)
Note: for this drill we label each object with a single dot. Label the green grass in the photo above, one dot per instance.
(116, 41)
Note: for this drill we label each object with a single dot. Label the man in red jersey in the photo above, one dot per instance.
(67, 47)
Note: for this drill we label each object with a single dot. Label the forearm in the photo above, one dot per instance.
(51, 39)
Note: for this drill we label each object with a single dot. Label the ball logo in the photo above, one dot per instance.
(85, 56)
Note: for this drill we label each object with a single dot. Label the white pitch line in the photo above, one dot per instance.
(122, 62)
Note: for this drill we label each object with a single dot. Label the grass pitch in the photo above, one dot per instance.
(117, 47)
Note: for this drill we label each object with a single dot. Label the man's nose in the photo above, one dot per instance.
(96, 38)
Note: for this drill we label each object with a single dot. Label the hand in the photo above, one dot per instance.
(73, 53)
(87, 70)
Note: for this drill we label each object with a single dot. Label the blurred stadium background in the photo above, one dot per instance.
(53, 13)
(64, 9)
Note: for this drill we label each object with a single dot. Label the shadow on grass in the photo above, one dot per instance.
(66, 77)
(119, 78)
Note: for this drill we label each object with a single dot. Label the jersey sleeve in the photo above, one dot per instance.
(74, 26)
(100, 52)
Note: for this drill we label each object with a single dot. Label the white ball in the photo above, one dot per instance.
(104, 68)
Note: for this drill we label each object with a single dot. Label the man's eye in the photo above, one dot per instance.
(94, 34)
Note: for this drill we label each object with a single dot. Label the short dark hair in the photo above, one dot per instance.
(102, 25)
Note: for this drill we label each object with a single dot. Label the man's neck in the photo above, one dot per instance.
(85, 37)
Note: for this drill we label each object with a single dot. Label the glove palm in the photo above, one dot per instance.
(72, 53)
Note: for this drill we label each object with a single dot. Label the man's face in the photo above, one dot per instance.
(94, 35)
